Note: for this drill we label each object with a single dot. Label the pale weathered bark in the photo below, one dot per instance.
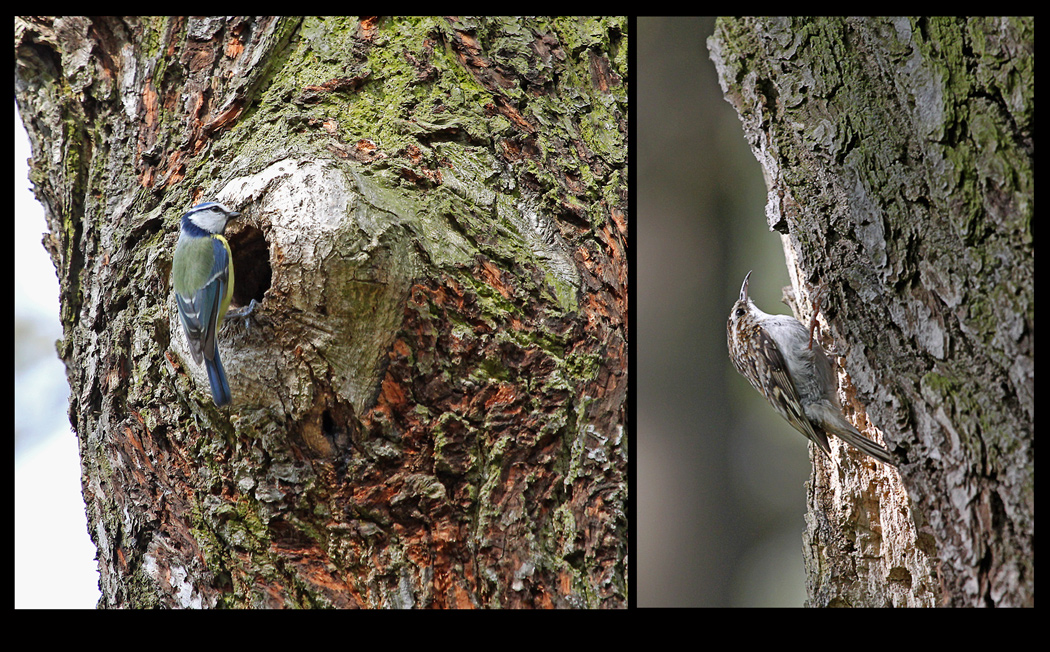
(429, 401)
(899, 158)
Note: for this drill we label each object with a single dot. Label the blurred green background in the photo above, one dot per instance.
(721, 477)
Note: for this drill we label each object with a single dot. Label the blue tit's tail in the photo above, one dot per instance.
(220, 389)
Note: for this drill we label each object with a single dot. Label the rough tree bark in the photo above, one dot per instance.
(429, 402)
(899, 158)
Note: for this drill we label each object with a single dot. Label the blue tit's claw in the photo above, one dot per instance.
(242, 313)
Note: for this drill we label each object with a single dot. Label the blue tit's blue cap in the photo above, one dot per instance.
(213, 204)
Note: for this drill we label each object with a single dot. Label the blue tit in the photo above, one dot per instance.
(202, 274)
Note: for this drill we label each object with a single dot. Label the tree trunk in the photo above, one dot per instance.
(899, 158)
(429, 400)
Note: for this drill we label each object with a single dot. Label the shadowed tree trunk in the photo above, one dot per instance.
(429, 398)
(899, 159)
